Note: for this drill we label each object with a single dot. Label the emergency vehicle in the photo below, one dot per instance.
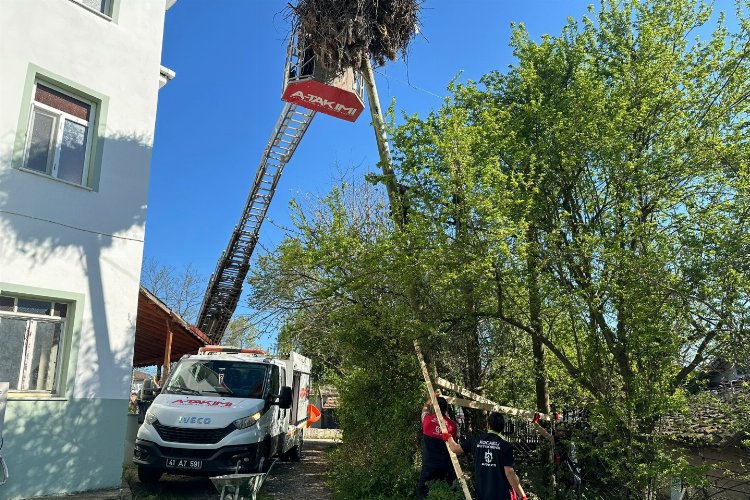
(225, 410)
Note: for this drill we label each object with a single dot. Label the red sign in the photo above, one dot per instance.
(327, 99)
(201, 402)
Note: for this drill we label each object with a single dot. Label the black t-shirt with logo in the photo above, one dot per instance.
(491, 455)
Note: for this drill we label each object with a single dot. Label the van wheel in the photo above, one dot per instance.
(148, 475)
(295, 453)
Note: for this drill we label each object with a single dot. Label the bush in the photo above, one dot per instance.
(379, 417)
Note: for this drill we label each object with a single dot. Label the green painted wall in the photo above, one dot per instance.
(62, 446)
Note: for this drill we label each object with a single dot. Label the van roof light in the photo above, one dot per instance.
(229, 350)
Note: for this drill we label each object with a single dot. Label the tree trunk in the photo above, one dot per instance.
(381, 137)
(535, 316)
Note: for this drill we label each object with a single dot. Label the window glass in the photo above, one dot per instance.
(34, 306)
(12, 338)
(43, 127)
(98, 5)
(7, 303)
(60, 310)
(29, 347)
(274, 380)
(72, 152)
(211, 377)
(41, 356)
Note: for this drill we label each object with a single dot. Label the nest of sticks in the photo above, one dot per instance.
(345, 33)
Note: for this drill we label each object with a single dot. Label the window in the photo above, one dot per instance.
(101, 6)
(59, 139)
(31, 333)
(207, 377)
(275, 386)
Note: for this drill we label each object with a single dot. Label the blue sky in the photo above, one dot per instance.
(216, 116)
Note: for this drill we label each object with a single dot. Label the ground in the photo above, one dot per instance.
(302, 480)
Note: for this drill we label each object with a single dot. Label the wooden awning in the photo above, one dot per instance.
(158, 326)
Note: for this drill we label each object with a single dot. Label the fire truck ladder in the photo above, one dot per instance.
(225, 285)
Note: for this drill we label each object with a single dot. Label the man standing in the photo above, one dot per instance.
(436, 462)
(494, 476)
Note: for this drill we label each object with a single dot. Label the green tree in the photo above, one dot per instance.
(242, 333)
(613, 159)
(576, 235)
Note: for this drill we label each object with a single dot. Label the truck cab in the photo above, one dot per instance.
(222, 411)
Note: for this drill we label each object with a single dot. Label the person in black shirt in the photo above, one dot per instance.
(494, 476)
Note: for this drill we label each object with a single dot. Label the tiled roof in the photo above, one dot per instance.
(716, 417)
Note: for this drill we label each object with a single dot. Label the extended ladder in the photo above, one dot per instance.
(225, 286)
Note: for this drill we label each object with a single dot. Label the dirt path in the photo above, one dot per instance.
(304, 480)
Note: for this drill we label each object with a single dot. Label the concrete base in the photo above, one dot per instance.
(312, 433)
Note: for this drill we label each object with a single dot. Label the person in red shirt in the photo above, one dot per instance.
(436, 462)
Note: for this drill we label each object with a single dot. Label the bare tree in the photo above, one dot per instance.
(179, 288)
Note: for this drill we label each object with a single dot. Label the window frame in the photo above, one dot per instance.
(56, 141)
(108, 13)
(32, 322)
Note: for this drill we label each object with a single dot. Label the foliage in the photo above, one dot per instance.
(242, 333)
(336, 284)
(603, 173)
(580, 219)
(440, 490)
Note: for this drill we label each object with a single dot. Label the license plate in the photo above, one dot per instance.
(181, 463)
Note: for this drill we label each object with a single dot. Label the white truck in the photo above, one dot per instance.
(225, 410)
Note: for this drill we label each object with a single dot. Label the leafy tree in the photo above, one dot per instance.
(241, 333)
(609, 170)
(576, 235)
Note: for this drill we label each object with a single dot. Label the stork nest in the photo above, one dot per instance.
(345, 33)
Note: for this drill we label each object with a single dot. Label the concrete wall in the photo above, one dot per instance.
(78, 244)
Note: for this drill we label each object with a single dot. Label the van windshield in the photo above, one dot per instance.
(207, 377)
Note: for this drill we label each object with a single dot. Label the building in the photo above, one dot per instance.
(78, 96)
(714, 435)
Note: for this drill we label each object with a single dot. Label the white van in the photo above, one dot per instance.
(225, 410)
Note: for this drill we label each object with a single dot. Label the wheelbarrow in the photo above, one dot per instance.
(240, 486)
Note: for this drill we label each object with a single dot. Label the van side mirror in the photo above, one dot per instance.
(285, 398)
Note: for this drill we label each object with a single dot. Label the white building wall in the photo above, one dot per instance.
(120, 60)
(87, 242)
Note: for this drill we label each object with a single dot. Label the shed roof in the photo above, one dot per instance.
(717, 417)
(151, 327)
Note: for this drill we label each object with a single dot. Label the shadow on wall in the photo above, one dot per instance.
(57, 447)
(50, 227)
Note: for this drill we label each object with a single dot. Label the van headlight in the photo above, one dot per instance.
(150, 417)
(245, 422)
